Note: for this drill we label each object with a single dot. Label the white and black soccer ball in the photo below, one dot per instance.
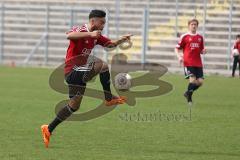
(235, 52)
(122, 81)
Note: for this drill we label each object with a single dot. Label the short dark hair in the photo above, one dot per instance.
(237, 36)
(193, 20)
(97, 13)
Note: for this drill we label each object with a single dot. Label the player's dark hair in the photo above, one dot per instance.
(237, 36)
(97, 13)
(193, 20)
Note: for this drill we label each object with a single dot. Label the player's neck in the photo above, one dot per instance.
(193, 32)
(90, 29)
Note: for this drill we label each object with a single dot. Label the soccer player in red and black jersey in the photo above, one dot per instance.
(236, 57)
(192, 45)
(80, 68)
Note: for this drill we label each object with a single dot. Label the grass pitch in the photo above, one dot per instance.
(211, 133)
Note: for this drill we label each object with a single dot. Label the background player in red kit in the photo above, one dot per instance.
(236, 57)
(192, 45)
(80, 68)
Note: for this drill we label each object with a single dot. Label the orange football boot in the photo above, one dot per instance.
(46, 135)
(116, 100)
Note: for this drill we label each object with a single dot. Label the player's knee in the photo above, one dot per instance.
(192, 80)
(199, 82)
(75, 102)
(104, 68)
(98, 64)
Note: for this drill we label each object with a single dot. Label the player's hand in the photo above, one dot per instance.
(125, 42)
(126, 37)
(95, 34)
(180, 59)
(204, 51)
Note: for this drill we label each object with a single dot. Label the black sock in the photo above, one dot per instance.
(235, 62)
(105, 81)
(54, 124)
(191, 87)
(62, 115)
(195, 87)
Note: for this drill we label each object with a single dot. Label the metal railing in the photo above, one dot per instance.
(116, 22)
(1, 33)
(43, 41)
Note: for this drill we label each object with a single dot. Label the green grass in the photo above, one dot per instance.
(213, 133)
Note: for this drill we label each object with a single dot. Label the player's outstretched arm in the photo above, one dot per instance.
(79, 35)
(124, 38)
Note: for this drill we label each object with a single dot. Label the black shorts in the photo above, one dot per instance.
(193, 72)
(77, 80)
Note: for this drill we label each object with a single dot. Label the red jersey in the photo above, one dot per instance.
(237, 46)
(79, 50)
(192, 45)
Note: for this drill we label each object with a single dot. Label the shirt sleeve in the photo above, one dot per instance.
(181, 43)
(74, 29)
(103, 41)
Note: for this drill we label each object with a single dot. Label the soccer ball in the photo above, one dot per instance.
(235, 52)
(122, 81)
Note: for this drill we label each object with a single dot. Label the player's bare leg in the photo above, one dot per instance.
(199, 83)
